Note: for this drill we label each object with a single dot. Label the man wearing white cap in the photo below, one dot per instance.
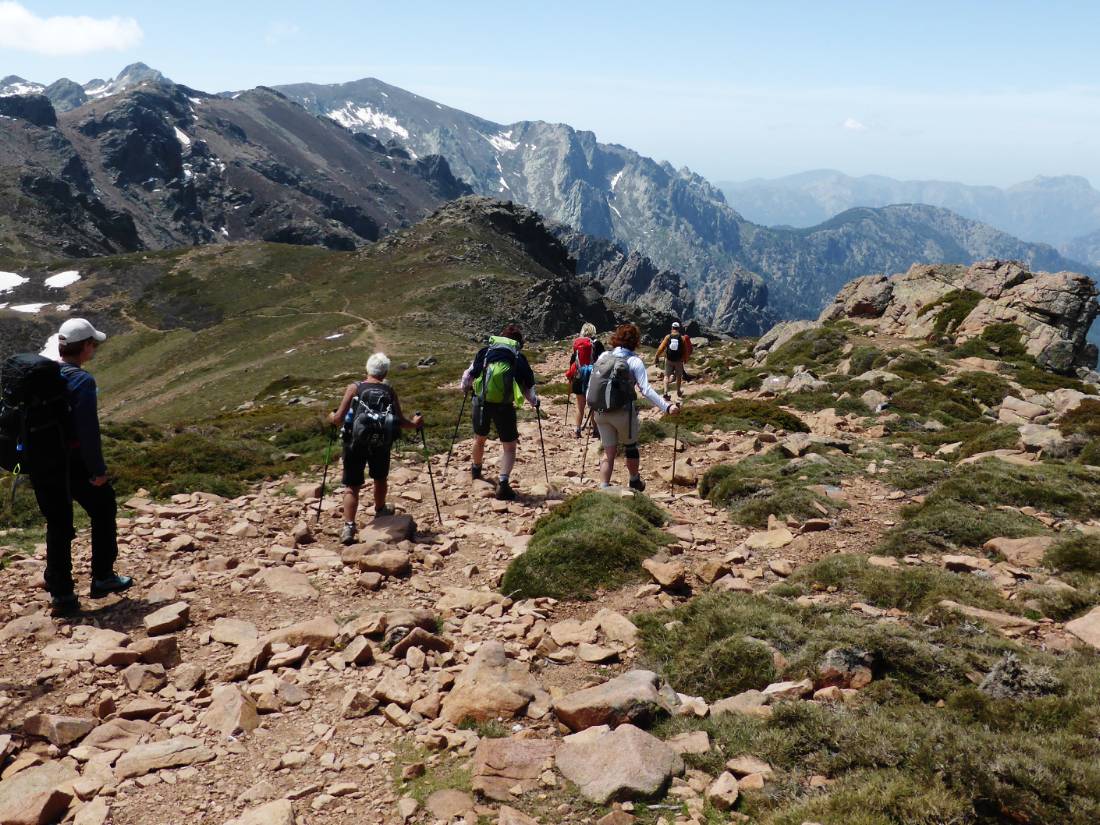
(86, 481)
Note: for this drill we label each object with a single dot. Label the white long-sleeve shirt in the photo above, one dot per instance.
(641, 378)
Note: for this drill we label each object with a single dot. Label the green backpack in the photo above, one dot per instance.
(496, 384)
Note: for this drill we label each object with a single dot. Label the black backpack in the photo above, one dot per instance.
(34, 414)
(675, 350)
(374, 424)
(611, 386)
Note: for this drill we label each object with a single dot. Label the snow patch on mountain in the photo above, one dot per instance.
(21, 87)
(10, 280)
(615, 178)
(502, 141)
(63, 279)
(182, 137)
(352, 116)
(30, 309)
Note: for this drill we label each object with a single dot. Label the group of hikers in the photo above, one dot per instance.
(49, 430)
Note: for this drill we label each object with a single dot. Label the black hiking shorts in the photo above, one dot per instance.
(360, 463)
(502, 417)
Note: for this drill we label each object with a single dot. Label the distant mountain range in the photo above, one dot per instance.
(67, 94)
(674, 217)
(1060, 210)
(155, 164)
(160, 165)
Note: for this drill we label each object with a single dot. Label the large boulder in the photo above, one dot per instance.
(39, 794)
(633, 697)
(618, 765)
(492, 685)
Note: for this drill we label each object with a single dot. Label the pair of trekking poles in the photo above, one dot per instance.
(587, 426)
(458, 423)
(427, 459)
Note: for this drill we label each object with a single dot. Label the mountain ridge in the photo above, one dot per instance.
(1050, 209)
(673, 216)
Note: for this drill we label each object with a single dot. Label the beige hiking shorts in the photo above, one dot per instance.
(618, 428)
(674, 369)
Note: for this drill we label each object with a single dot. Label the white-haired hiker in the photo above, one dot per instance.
(586, 349)
(370, 414)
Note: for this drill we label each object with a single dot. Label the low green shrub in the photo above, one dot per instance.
(592, 541)
(952, 309)
(985, 387)
(1076, 553)
(769, 484)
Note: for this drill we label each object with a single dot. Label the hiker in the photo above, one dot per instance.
(676, 348)
(371, 419)
(586, 349)
(611, 393)
(501, 379)
(80, 476)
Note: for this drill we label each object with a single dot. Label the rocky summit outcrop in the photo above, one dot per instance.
(554, 300)
(1053, 310)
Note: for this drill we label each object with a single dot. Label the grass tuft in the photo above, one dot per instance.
(593, 541)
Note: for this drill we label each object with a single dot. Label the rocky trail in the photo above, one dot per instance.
(261, 674)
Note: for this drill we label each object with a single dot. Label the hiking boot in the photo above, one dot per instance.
(347, 535)
(636, 483)
(576, 432)
(65, 605)
(667, 397)
(112, 584)
(475, 473)
(384, 510)
(505, 492)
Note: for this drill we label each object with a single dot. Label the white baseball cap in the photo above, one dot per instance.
(76, 330)
(675, 324)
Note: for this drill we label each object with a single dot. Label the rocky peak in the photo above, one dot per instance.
(1054, 310)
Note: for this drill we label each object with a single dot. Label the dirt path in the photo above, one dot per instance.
(262, 561)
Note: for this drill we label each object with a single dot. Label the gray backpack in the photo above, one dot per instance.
(612, 384)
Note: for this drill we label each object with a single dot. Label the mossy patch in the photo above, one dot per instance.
(894, 756)
(770, 484)
(593, 541)
(818, 347)
(740, 414)
(965, 509)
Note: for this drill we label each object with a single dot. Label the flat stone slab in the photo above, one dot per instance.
(617, 766)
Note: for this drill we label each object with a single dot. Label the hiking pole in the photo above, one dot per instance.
(324, 476)
(431, 477)
(675, 449)
(542, 444)
(454, 435)
(587, 435)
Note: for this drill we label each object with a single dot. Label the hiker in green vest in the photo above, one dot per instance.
(501, 379)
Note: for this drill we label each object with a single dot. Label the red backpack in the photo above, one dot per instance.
(583, 348)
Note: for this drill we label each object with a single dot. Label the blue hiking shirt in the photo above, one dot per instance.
(84, 418)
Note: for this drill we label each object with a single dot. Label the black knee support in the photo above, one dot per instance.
(631, 451)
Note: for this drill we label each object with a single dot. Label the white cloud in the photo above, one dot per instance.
(853, 125)
(25, 31)
(279, 31)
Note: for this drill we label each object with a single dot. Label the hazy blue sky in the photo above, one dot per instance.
(984, 92)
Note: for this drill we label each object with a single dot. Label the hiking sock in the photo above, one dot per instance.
(504, 478)
(475, 471)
